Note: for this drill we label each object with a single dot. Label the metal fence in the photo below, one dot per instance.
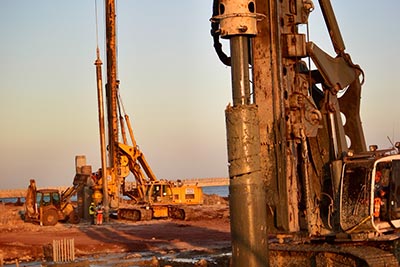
(63, 250)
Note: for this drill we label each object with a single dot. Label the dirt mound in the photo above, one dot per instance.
(10, 214)
(214, 199)
(214, 208)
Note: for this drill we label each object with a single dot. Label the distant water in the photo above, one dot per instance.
(222, 191)
(11, 200)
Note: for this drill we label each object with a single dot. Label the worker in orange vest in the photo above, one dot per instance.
(99, 214)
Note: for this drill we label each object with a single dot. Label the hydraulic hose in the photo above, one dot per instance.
(215, 34)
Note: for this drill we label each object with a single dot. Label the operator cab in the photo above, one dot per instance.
(48, 197)
(159, 192)
(370, 194)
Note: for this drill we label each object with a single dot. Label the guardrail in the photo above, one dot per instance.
(205, 182)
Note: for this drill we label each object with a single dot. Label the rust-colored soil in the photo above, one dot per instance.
(206, 230)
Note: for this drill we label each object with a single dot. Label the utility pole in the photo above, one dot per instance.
(111, 94)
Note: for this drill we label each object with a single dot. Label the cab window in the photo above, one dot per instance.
(38, 198)
(56, 199)
(46, 199)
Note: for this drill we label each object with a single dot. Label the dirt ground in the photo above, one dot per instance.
(205, 232)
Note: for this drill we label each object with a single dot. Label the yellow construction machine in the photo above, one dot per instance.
(48, 206)
(149, 197)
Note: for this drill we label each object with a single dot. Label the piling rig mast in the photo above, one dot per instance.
(290, 166)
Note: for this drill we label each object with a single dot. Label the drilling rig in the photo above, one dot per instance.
(150, 197)
(299, 173)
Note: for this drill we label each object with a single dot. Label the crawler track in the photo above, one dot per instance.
(330, 255)
(135, 214)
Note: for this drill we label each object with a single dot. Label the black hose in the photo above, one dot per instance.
(215, 34)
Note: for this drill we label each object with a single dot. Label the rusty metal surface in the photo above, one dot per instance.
(303, 140)
(350, 107)
(267, 80)
(246, 187)
(335, 71)
(248, 225)
(301, 130)
(243, 137)
(111, 96)
(330, 255)
(237, 17)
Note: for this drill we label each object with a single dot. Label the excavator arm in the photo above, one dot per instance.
(132, 158)
(340, 73)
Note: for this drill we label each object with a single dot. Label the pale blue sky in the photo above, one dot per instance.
(173, 86)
